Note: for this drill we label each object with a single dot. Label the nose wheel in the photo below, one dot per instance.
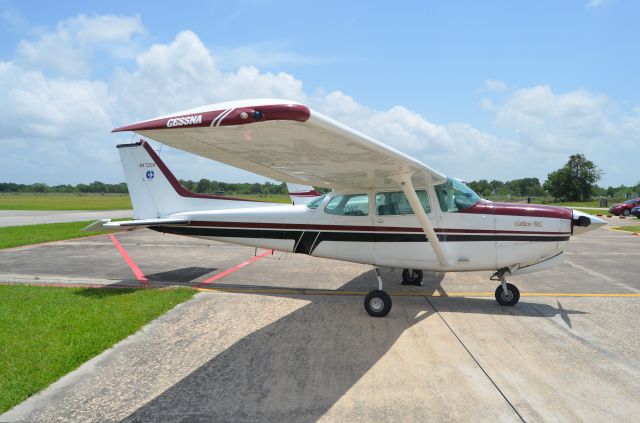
(377, 302)
(506, 294)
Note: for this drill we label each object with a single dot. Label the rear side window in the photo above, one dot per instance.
(396, 203)
(349, 205)
(313, 204)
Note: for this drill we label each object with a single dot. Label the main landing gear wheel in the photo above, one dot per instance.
(412, 277)
(508, 297)
(377, 303)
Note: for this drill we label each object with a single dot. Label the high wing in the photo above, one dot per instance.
(286, 141)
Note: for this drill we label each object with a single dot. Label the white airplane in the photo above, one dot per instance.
(386, 209)
(302, 194)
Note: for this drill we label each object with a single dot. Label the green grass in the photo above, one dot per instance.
(635, 228)
(46, 332)
(64, 202)
(15, 236)
(593, 203)
(593, 211)
(92, 201)
(267, 198)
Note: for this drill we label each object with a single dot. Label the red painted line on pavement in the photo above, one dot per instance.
(233, 269)
(132, 265)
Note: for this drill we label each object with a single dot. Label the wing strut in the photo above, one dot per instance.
(410, 193)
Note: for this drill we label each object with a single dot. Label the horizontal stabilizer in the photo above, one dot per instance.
(131, 225)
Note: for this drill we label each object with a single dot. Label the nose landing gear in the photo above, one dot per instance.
(506, 294)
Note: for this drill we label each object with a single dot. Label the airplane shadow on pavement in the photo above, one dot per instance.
(297, 367)
(293, 369)
(180, 276)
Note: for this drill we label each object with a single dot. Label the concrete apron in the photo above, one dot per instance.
(248, 357)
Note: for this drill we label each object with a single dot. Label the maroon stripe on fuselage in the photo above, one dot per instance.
(526, 210)
(177, 186)
(302, 226)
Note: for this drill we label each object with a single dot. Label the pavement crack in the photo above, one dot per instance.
(475, 360)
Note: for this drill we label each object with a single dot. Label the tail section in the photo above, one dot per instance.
(156, 193)
(302, 194)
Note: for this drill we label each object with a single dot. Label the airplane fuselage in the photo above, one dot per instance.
(486, 236)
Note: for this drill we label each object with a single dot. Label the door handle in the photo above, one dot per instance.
(379, 220)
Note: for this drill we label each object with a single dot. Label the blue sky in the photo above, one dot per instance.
(492, 90)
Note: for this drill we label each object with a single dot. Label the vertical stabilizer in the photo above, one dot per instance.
(156, 193)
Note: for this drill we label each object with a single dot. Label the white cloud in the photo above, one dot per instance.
(592, 4)
(494, 85)
(451, 148)
(265, 54)
(70, 50)
(184, 74)
(559, 122)
(55, 125)
(53, 129)
(554, 125)
(57, 128)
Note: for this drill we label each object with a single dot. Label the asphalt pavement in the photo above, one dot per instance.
(286, 338)
(34, 217)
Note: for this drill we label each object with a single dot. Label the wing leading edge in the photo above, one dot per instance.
(286, 141)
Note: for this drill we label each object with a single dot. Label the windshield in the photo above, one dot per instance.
(633, 200)
(313, 204)
(453, 196)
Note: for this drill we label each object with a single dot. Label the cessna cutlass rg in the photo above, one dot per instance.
(386, 209)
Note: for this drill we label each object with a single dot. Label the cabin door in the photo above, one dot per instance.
(399, 238)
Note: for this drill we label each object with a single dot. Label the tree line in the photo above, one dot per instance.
(203, 186)
(575, 181)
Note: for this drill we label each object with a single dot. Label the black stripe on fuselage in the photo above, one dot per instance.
(307, 241)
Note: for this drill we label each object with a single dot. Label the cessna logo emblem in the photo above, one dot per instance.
(184, 121)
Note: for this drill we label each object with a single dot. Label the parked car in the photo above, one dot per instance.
(625, 208)
(636, 211)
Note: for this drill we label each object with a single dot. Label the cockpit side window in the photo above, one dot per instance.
(348, 205)
(396, 203)
(454, 196)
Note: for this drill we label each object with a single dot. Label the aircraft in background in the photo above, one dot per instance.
(386, 209)
(302, 194)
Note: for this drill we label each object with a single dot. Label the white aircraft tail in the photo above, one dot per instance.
(302, 194)
(156, 193)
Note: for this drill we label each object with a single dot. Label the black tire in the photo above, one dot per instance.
(377, 303)
(510, 298)
(626, 212)
(412, 277)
